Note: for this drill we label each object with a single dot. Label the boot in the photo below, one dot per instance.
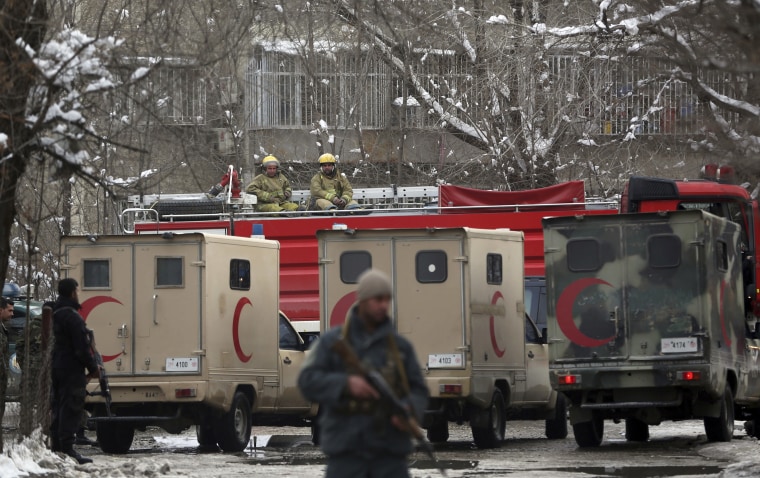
(82, 460)
(81, 439)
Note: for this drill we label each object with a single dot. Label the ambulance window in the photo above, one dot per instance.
(664, 251)
(97, 274)
(721, 254)
(240, 274)
(352, 264)
(288, 335)
(493, 269)
(583, 255)
(431, 267)
(169, 272)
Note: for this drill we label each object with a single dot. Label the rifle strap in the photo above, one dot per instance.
(392, 349)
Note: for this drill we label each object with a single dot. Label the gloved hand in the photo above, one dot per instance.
(342, 202)
(337, 201)
(287, 194)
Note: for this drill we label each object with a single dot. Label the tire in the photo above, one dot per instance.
(493, 434)
(589, 434)
(556, 427)
(636, 430)
(721, 428)
(233, 430)
(115, 437)
(438, 431)
(206, 436)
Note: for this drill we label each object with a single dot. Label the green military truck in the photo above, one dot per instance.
(647, 323)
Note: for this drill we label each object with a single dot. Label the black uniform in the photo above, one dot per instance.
(71, 356)
(356, 435)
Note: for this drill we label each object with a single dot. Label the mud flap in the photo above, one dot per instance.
(580, 415)
(707, 409)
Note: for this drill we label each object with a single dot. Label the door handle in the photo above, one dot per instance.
(530, 354)
(287, 361)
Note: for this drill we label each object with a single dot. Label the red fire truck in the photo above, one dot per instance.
(430, 207)
(392, 207)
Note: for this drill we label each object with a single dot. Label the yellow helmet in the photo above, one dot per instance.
(326, 158)
(270, 161)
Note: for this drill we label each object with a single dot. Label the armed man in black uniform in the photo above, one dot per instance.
(361, 436)
(72, 355)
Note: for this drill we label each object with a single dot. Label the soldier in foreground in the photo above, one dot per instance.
(359, 433)
(272, 188)
(71, 356)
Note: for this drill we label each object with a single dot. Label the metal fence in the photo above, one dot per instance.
(599, 95)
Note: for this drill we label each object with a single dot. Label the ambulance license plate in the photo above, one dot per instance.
(181, 364)
(445, 361)
(679, 345)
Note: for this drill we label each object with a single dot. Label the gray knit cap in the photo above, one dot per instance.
(373, 283)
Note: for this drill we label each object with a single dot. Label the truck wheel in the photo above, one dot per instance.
(556, 427)
(233, 430)
(115, 437)
(490, 436)
(206, 436)
(438, 431)
(589, 434)
(636, 430)
(722, 428)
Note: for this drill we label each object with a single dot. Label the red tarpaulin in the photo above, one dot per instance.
(571, 194)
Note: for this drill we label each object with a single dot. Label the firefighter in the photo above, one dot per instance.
(71, 356)
(358, 433)
(330, 188)
(272, 188)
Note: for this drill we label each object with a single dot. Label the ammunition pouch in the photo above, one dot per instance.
(358, 407)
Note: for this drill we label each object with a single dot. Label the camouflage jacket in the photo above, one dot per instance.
(269, 190)
(323, 187)
(324, 377)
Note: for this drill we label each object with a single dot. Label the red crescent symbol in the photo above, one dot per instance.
(565, 313)
(236, 330)
(89, 305)
(340, 311)
(726, 338)
(494, 343)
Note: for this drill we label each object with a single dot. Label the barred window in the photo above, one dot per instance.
(344, 89)
(175, 94)
(181, 95)
(629, 95)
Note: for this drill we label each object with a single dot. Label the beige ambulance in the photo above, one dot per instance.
(459, 298)
(190, 334)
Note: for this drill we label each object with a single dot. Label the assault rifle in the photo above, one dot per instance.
(387, 395)
(105, 389)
